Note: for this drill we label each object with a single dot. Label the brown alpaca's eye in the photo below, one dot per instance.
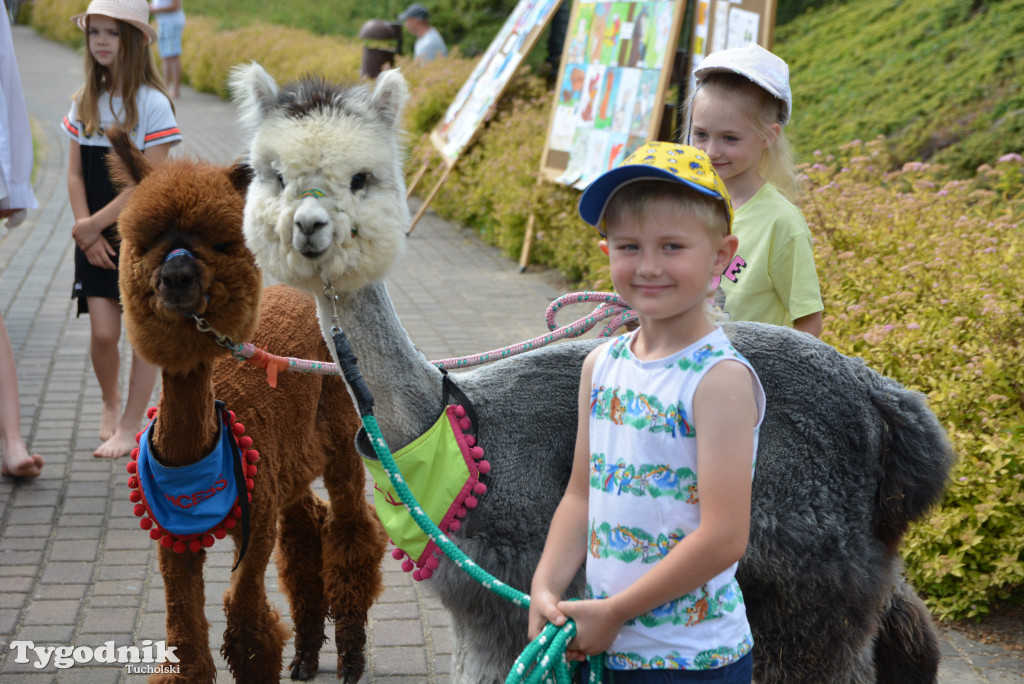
(358, 182)
(222, 247)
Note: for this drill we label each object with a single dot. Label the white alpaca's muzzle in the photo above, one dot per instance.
(313, 228)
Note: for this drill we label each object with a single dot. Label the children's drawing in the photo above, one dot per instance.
(491, 75)
(611, 85)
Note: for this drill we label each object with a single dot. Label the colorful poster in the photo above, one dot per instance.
(616, 67)
(491, 75)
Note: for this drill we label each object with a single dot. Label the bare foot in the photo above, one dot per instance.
(17, 462)
(109, 419)
(121, 444)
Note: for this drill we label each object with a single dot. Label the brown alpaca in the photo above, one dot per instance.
(330, 553)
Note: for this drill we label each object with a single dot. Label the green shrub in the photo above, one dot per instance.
(286, 53)
(468, 24)
(52, 18)
(432, 88)
(788, 10)
(921, 278)
(323, 17)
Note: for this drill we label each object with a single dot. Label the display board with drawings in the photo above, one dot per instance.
(723, 24)
(614, 74)
(484, 87)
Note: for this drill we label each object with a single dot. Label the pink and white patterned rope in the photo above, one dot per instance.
(610, 305)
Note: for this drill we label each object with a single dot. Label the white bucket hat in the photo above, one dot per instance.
(759, 65)
(134, 12)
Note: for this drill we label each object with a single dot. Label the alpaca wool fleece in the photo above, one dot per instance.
(329, 552)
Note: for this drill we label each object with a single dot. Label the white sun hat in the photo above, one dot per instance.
(759, 65)
(134, 12)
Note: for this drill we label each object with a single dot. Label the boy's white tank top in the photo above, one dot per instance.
(643, 500)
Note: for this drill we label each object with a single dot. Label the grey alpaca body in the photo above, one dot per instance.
(847, 458)
(817, 577)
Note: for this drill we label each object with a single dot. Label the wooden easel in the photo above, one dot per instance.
(449, 165)
(625, 56)
(506, 52)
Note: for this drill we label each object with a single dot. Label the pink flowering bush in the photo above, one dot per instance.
(922, 278)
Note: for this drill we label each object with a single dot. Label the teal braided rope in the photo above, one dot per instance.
(531, 667)
(544, 657)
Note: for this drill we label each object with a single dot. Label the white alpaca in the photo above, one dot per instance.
(847, 458)
(325, 208)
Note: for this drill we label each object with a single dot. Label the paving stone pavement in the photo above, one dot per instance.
(74, 569)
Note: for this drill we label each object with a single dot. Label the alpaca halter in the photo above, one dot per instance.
(180, 252)
(223, 340)
(187, 507)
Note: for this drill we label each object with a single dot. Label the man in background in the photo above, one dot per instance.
(429, 43)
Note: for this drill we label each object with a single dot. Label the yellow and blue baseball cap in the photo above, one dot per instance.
(660, 161)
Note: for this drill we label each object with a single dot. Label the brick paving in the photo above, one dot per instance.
(74, 569)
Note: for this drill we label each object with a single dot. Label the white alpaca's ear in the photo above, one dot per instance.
(390, 95)
(254, 91)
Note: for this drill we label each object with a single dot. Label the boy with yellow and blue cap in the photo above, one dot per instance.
(658, 503)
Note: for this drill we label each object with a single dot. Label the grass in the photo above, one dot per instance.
(323, 17)
(942, 81)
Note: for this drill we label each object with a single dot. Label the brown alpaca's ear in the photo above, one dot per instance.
(241, 175)
(127, 164)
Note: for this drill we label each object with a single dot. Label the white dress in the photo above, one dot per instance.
(15, 134)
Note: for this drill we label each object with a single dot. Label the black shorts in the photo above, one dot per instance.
(93, 281)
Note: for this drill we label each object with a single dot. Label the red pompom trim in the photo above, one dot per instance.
(423, 568)
(191, 542)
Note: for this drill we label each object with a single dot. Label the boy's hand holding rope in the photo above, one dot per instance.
(544, 659)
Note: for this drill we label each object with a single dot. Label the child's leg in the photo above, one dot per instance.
(175, 75)
(168, 72)
(141, 380)
(105, 319)
(15, 459)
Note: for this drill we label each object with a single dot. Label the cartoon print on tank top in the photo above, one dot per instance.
(630, 543)
(640, 411)
(656, 480)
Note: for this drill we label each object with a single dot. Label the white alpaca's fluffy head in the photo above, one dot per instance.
(327, 202)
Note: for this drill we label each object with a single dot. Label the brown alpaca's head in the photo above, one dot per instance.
(183, 253)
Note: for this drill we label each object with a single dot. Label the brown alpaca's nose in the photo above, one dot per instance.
(178, 282)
